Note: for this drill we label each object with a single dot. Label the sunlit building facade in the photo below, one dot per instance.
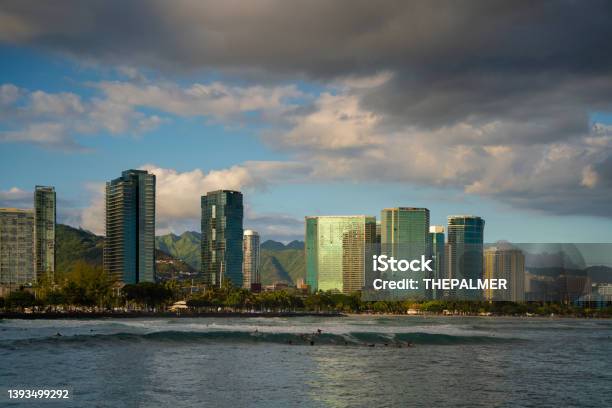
(509, 264)
(336, 248)
(16, 247)
(404, 234)
(129, 250)
(222, 237)
(251, 259)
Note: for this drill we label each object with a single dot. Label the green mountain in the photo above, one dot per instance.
(73, 245)
(185, 247)
(77, 245)
(279, 262)
(285, 265)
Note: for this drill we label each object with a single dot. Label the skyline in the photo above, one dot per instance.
(511, 129)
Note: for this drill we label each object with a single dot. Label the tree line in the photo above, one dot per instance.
(88, 287)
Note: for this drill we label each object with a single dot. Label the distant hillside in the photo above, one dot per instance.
(185, 247)
(168, 267)
(279, 262)
(78, 245)
(279, 246)
(73, 245)
(286, 265)
(282, 263)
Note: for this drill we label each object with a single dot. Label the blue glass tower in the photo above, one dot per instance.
(465, 249)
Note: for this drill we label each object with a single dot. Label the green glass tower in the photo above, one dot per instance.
(336, 248)
(405, 229)
(129, 249)
(44, 231)
(404, 234)
(222, 236)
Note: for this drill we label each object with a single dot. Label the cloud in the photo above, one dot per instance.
(281, 227)
(216, 100)
(178, 193)
(56, 119)
(320, 39)
(16, 197)
(342, 140)
(492, 97)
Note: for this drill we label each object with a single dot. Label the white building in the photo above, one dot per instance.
(251, 259)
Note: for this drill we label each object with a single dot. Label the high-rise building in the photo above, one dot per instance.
(508, 263)
(336, 247)
(465, 246)
(404, 234)
(251, 262)
(222, 234)
(129, 250)
(404, 231)
(44, 231)
(16, 247)
(438, 250)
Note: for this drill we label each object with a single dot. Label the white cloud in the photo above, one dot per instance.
(215, 100)
(178, 193)
(589, 177)
(16, 197)
(55, 119)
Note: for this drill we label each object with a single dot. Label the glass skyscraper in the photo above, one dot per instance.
(465, 250)
(44, 231)
(222, 235)
(129, 250)
(336, 247)
(250, 266)
(16, 247)
(404, 234)
(405, 231)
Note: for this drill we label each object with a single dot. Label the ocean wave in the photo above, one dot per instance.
(348, 339)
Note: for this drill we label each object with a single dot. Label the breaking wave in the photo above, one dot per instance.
(347, 339)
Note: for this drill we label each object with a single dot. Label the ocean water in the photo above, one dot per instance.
(361, 361)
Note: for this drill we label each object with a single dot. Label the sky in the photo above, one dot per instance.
(501, 109)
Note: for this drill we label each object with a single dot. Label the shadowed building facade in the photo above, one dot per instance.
(222, 236)
(336, 247)
(129, 249)
(438, 250)
(465, 250)
(44, 231)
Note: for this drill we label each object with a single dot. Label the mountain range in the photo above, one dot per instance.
(279, 262)
(179, 253)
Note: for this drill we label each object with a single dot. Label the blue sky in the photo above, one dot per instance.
(299, 140)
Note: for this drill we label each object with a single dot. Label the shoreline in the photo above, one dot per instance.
(132, 315)
(187, 315)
